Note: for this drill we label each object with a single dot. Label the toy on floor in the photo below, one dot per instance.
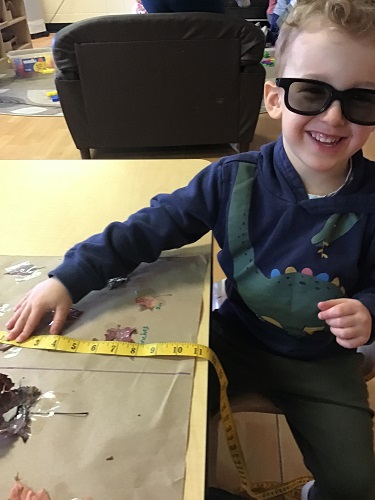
(267, 59)
(44, 65)
(53, 95)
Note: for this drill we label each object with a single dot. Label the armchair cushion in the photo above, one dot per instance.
(160, 80)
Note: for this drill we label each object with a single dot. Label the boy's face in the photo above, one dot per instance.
(326, 141)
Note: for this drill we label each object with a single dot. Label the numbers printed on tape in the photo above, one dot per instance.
(117, 348)
(188, 349)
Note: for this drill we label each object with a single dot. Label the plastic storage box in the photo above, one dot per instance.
(30, 63)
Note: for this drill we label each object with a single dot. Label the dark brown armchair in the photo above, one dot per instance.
(160, 80)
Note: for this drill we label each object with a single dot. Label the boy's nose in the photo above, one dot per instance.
(334, 114)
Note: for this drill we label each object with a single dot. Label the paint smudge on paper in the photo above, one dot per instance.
(151, 302)
(4, 308)
(24, 271)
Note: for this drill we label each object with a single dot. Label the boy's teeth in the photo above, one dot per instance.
(324, 138)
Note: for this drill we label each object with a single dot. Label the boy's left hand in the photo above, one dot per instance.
(349, 320)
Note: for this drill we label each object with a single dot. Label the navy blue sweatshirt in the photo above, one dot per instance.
(282, 252)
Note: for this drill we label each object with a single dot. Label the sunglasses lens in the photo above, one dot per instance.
(360, 106)
(308, 97)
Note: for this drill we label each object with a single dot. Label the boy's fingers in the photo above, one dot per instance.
(25, 321)
(323, 306)
(349, 343)
(344, 333)
(16, 324)
(19, 318)
(59, 318)
(327, 304)
(43, 495)
(337, 310)
(21, 302)
(329, 314)
(27, 324)
(13, 320)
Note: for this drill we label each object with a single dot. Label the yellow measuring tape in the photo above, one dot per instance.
(187, 349)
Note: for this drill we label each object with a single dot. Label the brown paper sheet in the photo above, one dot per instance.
(132, 445)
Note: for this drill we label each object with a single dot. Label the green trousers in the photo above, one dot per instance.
(325, 402)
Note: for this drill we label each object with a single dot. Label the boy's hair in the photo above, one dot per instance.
(356, 18)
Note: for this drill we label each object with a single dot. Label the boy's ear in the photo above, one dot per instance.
(272, 100)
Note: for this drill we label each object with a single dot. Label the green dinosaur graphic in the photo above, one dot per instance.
(297, 294)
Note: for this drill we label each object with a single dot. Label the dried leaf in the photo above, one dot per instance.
(147, 302)
(24, 271)
(121, 334)
(19, 400)
(5, 383)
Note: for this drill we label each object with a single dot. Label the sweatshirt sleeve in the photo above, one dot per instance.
(366, 293)
(171, 221)
(367, 297)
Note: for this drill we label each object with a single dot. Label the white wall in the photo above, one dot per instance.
(69, 11)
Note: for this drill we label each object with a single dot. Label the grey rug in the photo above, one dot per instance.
(27, 96)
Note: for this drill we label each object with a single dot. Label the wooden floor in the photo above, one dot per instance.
(270, 452)
(47, 138)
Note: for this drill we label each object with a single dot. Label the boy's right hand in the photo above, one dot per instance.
(49, 295)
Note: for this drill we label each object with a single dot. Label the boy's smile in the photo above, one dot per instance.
(324, 139)
(320, 146)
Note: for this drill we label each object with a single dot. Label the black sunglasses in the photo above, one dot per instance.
(312, 97)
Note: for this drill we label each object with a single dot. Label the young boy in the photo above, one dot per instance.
(296, 227)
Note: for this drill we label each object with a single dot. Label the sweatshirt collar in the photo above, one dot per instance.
(284, 182)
